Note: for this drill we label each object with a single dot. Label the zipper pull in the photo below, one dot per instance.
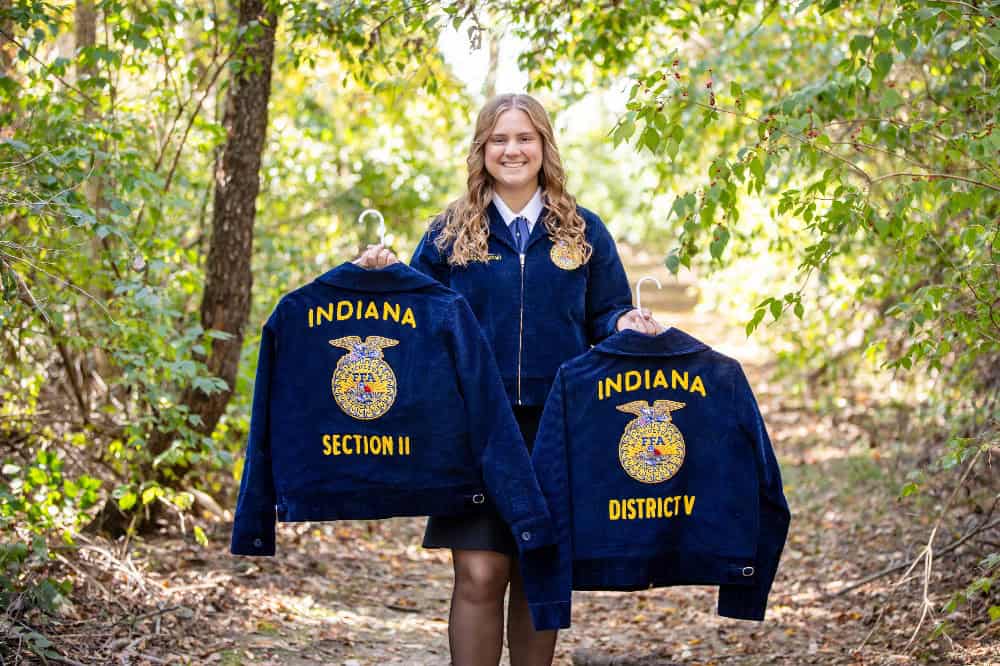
(522, 260)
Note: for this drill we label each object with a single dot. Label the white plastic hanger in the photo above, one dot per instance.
(638, 290)
(381, 222)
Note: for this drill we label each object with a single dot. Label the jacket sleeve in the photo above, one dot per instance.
(506, 467)
(608, 292)
(548, 572)
(747, 602)
(253, 525)
(429, 260)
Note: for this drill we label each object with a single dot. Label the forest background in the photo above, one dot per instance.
(826, 173)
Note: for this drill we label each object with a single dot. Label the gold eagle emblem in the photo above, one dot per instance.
(565, 257)
(363, 384)
(651, 449)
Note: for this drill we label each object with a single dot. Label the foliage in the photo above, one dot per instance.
(829, 169)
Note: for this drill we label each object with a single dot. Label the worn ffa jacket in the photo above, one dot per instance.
(658, 471)
(377, 396)
(538, 309)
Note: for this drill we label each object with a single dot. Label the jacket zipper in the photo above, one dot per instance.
(520, 336)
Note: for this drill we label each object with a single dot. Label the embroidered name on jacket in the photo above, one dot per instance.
(364, 385)
(344, 310)
(651, 449)
(635, 380)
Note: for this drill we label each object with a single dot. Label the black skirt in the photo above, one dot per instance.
(484, 530)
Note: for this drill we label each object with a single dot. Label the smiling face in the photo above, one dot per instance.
(513, 153)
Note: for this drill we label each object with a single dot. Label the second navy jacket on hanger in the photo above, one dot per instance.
(377, 395)
(658, 471)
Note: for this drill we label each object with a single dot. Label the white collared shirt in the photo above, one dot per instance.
(531, 211)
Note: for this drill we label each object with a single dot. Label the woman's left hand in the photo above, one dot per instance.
(641, 321)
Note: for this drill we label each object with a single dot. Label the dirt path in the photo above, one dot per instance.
(356, 593)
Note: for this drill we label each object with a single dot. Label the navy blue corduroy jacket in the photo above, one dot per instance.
(376, 396)
(535, 314)
(658, 471)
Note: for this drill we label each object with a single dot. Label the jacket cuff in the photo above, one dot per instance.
(255, 540)
(534, 533)
(550, 615)
(612, 326)
(742, 602)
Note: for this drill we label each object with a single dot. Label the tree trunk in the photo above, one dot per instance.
(226, 299)
(8, 53)
(225, 304)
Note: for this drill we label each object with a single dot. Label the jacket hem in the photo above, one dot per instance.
(632, 573)
(375, 503)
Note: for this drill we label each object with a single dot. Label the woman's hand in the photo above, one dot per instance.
(376, 256)
(641, 321)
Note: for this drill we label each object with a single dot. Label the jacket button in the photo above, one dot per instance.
(526, 536)
(258, 543)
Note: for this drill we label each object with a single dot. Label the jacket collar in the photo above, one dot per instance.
(397, 277)
(500, 230)
(672, 342)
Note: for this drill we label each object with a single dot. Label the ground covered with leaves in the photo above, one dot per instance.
(358, 592)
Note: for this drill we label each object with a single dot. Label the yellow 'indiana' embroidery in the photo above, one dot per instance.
(343, 310)
(364, 385)
(652, 449)
(634, 380)
(565, 257)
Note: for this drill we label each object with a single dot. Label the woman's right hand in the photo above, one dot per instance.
(376, 256)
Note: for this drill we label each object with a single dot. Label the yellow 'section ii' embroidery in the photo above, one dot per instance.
(565, 257)
(364, 385)
(652, 449)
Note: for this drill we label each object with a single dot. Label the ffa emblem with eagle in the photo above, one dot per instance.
(652, 449)
(364, 385)
(565, 257)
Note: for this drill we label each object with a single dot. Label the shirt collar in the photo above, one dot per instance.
(531, 211)
(672, 342)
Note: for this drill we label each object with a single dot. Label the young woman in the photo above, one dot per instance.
(543, 277)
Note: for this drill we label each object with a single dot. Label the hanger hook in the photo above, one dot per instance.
(638, 290)
(381, 222)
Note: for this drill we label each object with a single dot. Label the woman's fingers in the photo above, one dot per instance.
(376, 256)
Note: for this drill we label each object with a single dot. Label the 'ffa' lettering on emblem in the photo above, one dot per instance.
(565, 257)
(652, 449)
(364, 385)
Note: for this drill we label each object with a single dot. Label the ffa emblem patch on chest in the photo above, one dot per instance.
(652, 449)
(565, 257)
(364, 385)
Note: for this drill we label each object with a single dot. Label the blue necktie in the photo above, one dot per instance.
(519, 227)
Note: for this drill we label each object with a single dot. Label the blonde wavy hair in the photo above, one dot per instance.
(465, 224)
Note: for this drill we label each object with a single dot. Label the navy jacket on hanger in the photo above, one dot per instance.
(658, 471)
(539, 309)
(377, 395)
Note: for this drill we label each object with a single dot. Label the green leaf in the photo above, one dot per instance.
(909, 489)
(865, 75)
(959, 45)
(775, 308)
(673, 261)
(127, 501)
(199, 536)
(883, 63)
(151, 493)
(994, 613)
(752, 325)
